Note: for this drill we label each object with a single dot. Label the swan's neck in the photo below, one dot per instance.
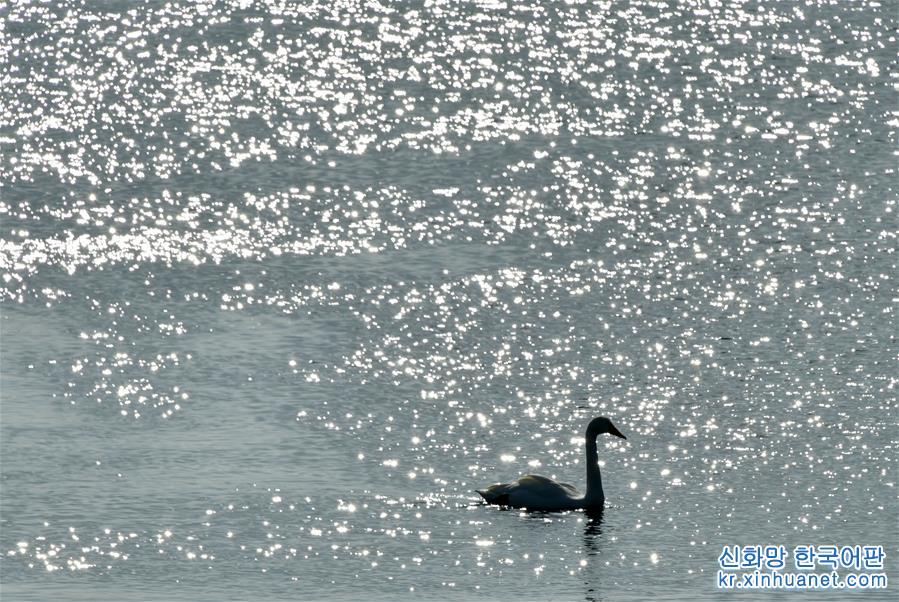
(594, 480)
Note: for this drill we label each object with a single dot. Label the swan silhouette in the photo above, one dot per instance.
(540, 493)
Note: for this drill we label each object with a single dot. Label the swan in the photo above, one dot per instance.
(540, 493)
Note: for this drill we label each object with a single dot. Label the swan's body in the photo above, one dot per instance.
(540, 493)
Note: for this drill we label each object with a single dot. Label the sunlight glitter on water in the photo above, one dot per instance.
(284, 284)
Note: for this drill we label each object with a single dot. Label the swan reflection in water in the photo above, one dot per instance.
(593, 520)
(592, 531)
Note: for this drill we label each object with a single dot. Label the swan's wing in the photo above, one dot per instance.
(571, 489)
(547, 487)
(531, 491)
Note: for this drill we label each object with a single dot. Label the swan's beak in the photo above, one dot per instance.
(616, 432)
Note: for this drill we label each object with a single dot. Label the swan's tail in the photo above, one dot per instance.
(496, 494)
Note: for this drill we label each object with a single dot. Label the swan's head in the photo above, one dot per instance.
(601, 425)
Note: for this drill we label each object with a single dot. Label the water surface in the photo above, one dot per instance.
(283, 284)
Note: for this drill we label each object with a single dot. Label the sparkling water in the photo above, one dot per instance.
(284, 283)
